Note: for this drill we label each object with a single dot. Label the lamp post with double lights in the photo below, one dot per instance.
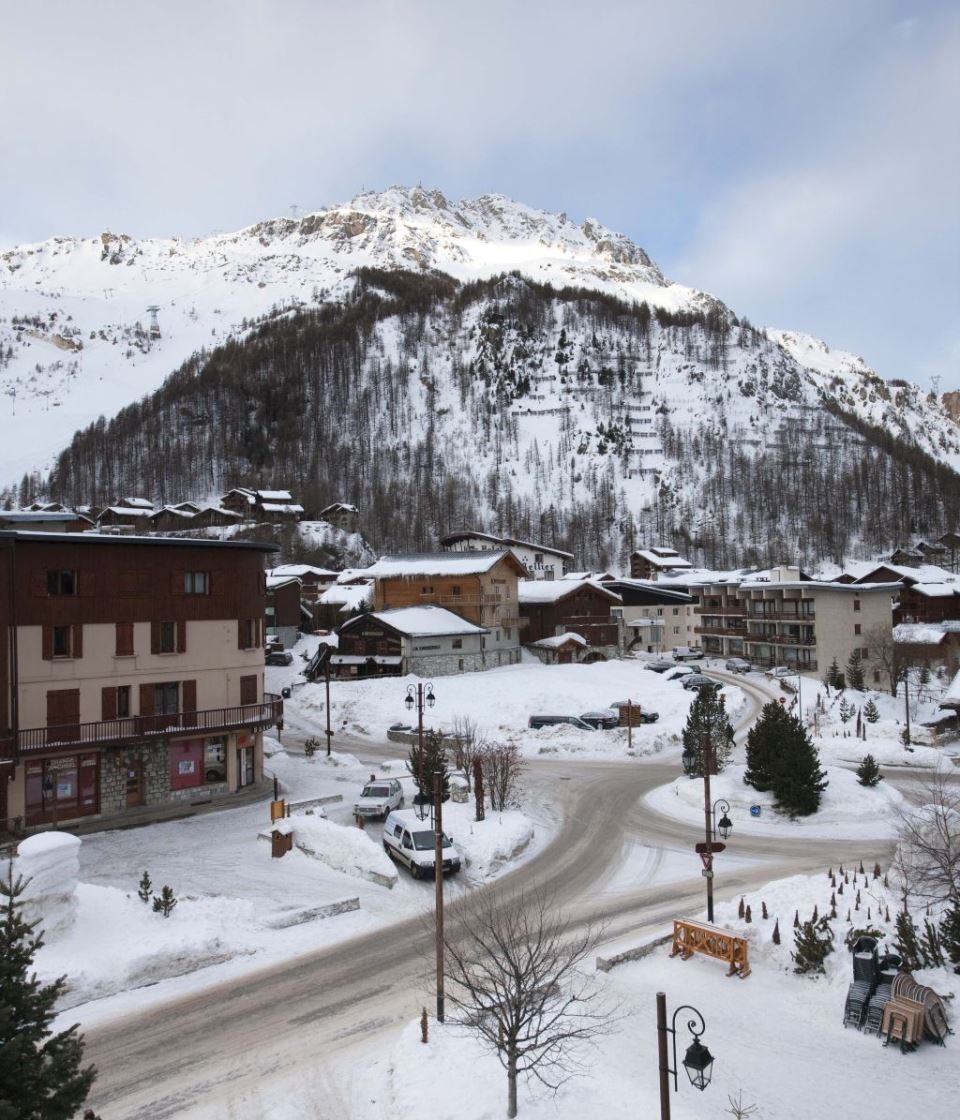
(420, 694)
(698, 1061)
(712, 826)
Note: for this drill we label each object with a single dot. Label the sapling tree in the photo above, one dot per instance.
(164, 902)
(871, 713)
(145, 890)
(708, 727)
(868, 772)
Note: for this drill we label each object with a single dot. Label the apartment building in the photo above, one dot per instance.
(656, 619)
(480, 587)
(805, 624)
(539, 560)
(131, 672)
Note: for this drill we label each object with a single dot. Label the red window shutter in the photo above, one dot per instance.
(181, 636)
(108, 703)
(76, 649)
(188, 691)
(258, 624)
(47, 653)
(154, 637)
(124, 639)
(146, 699)
(248, 690)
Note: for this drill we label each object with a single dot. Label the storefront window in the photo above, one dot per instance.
(215, 760)
(186, 764)
(61, 788)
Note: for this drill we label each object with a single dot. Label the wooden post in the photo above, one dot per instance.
(438, 876)
(629, 725)
(707, 753)
(664, 1059)
(326, 678)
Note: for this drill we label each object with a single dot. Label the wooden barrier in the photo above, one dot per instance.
(281, 843)
(696, 937)
(278, 810)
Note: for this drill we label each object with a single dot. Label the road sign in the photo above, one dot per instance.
(754, 810)
(706, 858)
(707, 874)
(713, 846)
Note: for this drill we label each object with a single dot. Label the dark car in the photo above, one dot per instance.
(537, 722)
(698, 681)
(279, 657)
(638, 712)
(604, 720)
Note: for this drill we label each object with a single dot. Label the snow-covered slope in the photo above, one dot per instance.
(75, 325)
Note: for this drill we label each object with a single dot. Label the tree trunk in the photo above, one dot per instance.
(512, 1084)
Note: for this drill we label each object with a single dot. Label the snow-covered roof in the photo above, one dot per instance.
(35, 517)
(925, 633)
(302, 570)
(128, 511)
(348, 596)
(280, 507)
(951, 698)
(508, 542)
(663, 558)
(423, 622)
(936, 590)
(534, 591)
(816, 585)
(274, 495)
(248, 495)
(921, 573)
(174, 511)
(136, 503)
(342, 507)
(274, 580)
(438, 564)
(557, 641)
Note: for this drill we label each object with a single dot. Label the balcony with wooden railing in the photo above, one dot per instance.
(781, 613)
(707, 626)
(138, 729)
(725, 609)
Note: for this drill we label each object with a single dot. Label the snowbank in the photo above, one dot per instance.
(50, 866)
(847, 809)
(488, 844)
(343, 848)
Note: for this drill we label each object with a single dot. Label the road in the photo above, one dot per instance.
(179, 1057)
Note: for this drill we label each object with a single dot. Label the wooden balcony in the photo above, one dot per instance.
(754, 638)
(782, 614)
(737, 609)
(737, 629)
(121, 732)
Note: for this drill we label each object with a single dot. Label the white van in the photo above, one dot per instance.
(412, 842)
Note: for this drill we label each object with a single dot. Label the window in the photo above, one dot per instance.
(168, 637)
(856, 604)
(460, 664)
(426, 590)
(196, 583)
(659, 611)
(123, 701)
(248, 633)
(538, 559)
(61, 641)
(455, 591)
(457, 643)
(676, 610)
(124, 647)
(508, 633)
(496, 635)
(61, 583)
(876, 676)
(166, 698)
(856, 628)
(864, 651)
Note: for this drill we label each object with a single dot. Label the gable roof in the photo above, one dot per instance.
(441, 564)
(473, 534)
(302, 570)
(558, 641)
(535, 592)
(419, 622)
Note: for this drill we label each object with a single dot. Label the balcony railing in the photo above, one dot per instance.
(754, 638)
(118, 732)
(730, 608)
(738, 628)
(782, 614)
(770, 662)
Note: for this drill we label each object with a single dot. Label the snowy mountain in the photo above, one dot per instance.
(631, 401)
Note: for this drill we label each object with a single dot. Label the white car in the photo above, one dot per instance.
(379, 797)
(412, 842)
(738, 665)
(679, 671)
(782, 671)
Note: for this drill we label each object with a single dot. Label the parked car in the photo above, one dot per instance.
(412, 842)
(782, 671)
(659, 666)
(537, 722)
(379, 798)
(677, 671)
(738, 665)
(603, 720)
(698, 681)
(279, 657)
(687, 653)
(645, 715)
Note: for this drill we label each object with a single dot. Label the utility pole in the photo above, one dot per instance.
(664, 1056)
(326, 680)
(906, 701)
(707, 752)
(438, 876)
(629, 725)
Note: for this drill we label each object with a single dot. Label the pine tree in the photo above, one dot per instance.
(423, 770)
(708, 726)
(950, 935)
(776, 932)
(868, 772)
(871, 713)
(834, 678)
(164, 902)
(845, 710)
(907, 942)
(855, 670)
(813, 943)
(763, 745)
(145, 889)
(782, 759)
(40, 1073)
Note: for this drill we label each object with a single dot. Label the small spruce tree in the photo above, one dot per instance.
(845, 709)
(907, 942)
(950, 935)
(813, 943)
(145, 889)
(708, 726)
(776, 932)
(434, 761)
(164, 902)
(854, 675)
(40, 1072)
(868, 772)
(871, 713)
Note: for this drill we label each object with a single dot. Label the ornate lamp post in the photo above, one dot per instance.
(711, 825)
(698, 1061)
(420, 694)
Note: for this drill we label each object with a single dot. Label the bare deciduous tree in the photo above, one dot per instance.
(514, 976)
(929, 848)
(468, 746)
(885, 655)
(502, 766)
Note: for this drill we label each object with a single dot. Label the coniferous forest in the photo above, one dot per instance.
(566, 416)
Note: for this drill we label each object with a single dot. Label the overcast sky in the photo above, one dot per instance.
(800, 160)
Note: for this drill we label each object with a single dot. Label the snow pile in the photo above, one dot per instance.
(50, 866)
(343, 848)
(488, 844)
(847, 809)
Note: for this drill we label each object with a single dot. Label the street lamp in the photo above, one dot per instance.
(724, 826)
(698, 1061)
(420, 694)
(711, 825)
